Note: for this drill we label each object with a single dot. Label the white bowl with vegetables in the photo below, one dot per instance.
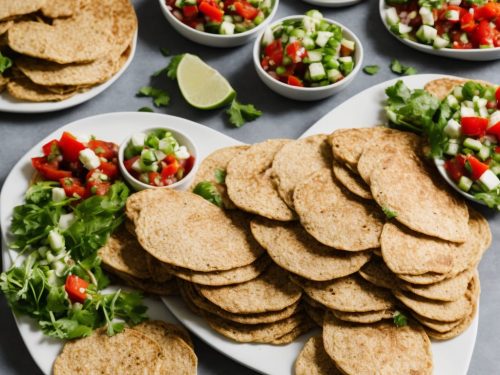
(332, 3)
(307, 57)
(158, 158)
(219, 24)
(451, 31)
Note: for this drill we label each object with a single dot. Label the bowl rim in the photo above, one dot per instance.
(383, 6)
(439, 163)
(128, 176)
(199, 33)
(352, 35)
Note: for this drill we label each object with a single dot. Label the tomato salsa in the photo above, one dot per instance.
(83, 167)
(307, 52)
(221, 17)
(458, 24)
(156, 158)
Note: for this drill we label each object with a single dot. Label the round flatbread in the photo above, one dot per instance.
(10, 8)
(456, 330)
(250, 185)
(334, 216)
(348, 294)
(23, 89)
(60, 8)
(156, 270)
(219, 278)
(189, 291)
(411, 253)
(425, 279)
(297, 160)
(293, 249)
(315, 313)
(433, 209)
(213, 167)
(351, 181)
(348, 144)
(313, 359)
(164, 328)
(185, 230)
(149, 286)
(361, 348)
(128, 352)
(271, 291)
(363, 317)
(178, 356)
(377, 273)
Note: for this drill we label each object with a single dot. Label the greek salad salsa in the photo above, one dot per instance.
(67, 215)
(156, 158)
(458, 24)
(463, 131)
(307, 52)
(225, 17)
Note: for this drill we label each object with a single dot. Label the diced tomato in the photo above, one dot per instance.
(107, 150)
(154, 179)
(483, 34)
(497, 150)
(76, 288)
(274, 51)
(487, 12)
(169, 170)
(109, 169)
(49, 170)
(467, 22)
(474, 126)
(494, 130)
(51, 148)
(97, 187)
(188, 164)
(265, 63)
(477, 168)
(211, 11)
(190, 11)
(246, 10)
(455, 167)
(294, 81)
(296, 51)
(70, 147)
(128, 163)
(73, 187)
(169, 159)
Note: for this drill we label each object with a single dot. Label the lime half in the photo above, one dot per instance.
(201, 85)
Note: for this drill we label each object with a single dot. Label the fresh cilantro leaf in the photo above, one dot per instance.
(208, 191)
(401, 69)
(239, 113)
(400, 320)
(172, 66)
(145, 109)
(164, 51)
(5, 63)
(371, 69)
(389, 213)
(160, 97)
(220, 176)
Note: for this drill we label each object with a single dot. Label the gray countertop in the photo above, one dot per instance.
(282, 118)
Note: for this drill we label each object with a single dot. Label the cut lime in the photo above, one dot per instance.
(201, 85)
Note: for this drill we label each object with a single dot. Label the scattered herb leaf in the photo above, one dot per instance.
(401, 69)
(5, 63)
(145, 109)
(389, 213)
(371, 69)
(220, 176)
(400, 320)
(239, 113)
(160, 97)
(207, 190)
(164, 51)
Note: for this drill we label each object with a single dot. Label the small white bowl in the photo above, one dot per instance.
(476, 54)
(332, 3)
(183, 140)
(308, 93)
(215, 40)
(442, 171)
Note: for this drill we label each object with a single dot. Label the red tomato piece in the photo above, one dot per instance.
(246, 10)
(494, 130)
(296, 51)
(154, 179)
(128, 163)
(76, 288)
(467, 23)
(295, 81)
(487, 12)
(107, 150)
(483, 34)
(169, 170)
(109, 169)
(274, 51)
(97, 187)
(188, 164)
(455, 167)
(70, 147)
(49, 170)
(211, 11)
(51, 148)
(474, 126)
(190, 11)
(73, 187)
(477, 168)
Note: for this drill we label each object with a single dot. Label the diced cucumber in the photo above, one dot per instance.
(427, 16)
(452, 102)
(179, 3)
(391, 16)
(489, 180)
(137, 139)
(452, 148)
(240, 28)
(317, 71)
(268, 37)
(452, 129)
(153, 167)
(489, 140)
(286, 60)
(309, 24)
(316, 14)
(56, 240)
(473, 144)
(440, 42)
(464, 38)
(484, 153)
(308, 43)
(299, 33)
(148, 156)
(58, 194)
(330, 62)
(495, 169)
(334, 75)
(259, 19)
(467, 111)
(228, 18)
(314, 56)
(401, 29)
(452, 15)
(426, 34)
(465, 183)
(280, 70)
(227, 28)
(323, 37)
(284, 39)
(349, 44)
(346, 67)
(457, 92)
(494, 119)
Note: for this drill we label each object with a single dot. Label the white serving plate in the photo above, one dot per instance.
(332, 3)
(10, 104)
(460, 54)
(450, 357)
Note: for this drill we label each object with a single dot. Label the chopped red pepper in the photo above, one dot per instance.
(477, 168)
(294, 81)
(494, 130)
(246, 10)
(76, 288)
(211, 11)
(474, 126)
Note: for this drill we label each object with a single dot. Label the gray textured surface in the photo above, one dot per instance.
(282, 118)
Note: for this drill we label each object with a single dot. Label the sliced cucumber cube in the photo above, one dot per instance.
(489, 140)
(268, 37)
(473, 144)
(317, 71)
(308, 43)
(314, 56)
(495, 169)
(138, 139)
(148, 156)
(489, 180)
(465, 183)
(349, 44)
(426, 34)
(402, 29)
(427, 16)
(316, 14)
(334, 75)
(452, 102)
(452, 15)
(440, 43)
(467, 111)
(309, 24)
(452, 148)
(457, 92)
(464, 38)
(330, 62)
(452, 129)
(227, 28)
(323, 37)
(298, 33)
(391, 16)
(484, 153)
